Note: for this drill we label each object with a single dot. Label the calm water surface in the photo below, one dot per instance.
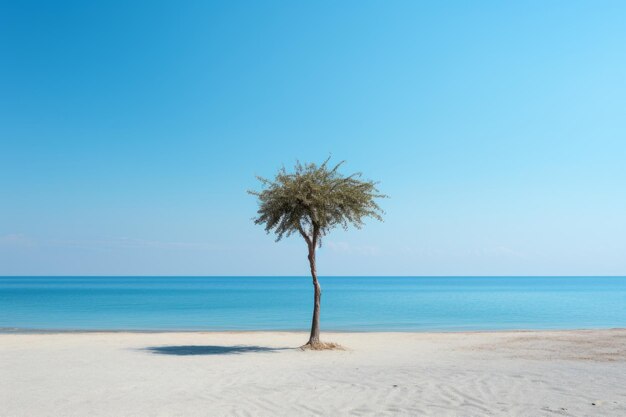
(285, 303)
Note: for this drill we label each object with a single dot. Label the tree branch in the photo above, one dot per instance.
(304, 235)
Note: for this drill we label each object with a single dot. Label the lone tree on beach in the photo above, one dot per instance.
(312, 201)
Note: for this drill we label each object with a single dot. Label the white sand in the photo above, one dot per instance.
(456, 374)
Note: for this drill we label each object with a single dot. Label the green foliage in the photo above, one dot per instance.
(313, 200)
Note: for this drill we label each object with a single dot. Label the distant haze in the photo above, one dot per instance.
(129, 135)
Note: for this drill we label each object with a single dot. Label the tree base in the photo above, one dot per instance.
(322, 346)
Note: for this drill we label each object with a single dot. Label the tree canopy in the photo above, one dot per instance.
(313, 199)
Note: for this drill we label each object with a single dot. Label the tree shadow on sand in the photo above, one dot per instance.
(209, 350)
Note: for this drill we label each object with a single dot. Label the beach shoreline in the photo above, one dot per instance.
(264, 373)
(19, 331)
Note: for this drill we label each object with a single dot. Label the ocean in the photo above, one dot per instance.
(285, 303)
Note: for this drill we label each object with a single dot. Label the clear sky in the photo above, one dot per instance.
(129, 134)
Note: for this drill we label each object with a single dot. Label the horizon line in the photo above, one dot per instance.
(308, 276)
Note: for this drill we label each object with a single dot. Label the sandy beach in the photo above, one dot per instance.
(571, 373)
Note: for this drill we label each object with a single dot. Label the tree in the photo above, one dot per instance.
(311, 201)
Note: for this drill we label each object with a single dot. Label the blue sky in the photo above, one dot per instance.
(129, 134)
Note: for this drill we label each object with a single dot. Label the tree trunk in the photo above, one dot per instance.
(314, 339)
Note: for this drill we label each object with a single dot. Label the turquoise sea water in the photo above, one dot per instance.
(285, 303)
